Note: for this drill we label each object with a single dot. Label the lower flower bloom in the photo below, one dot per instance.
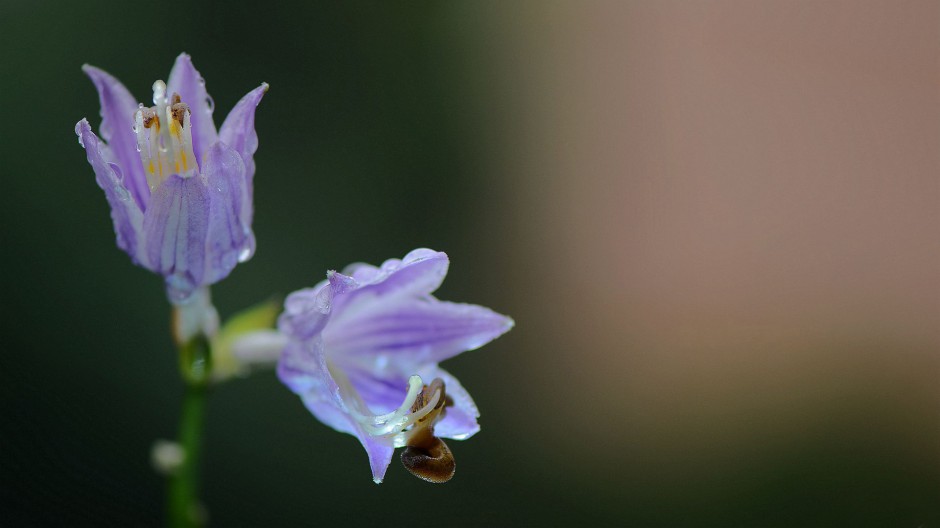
(362, 352)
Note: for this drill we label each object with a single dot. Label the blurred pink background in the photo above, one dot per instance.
(723, 228)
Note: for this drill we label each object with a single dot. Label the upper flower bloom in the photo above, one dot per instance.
(361, 346)
(180, 192)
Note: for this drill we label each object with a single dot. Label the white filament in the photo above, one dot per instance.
(392, 425)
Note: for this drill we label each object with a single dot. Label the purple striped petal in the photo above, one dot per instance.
(175, 228)
(186, 81)
(420, 273)
(238, 130)
(412, 331)
(117, 129)
(125, 212)
(382, 391)
(302, 367)
(230, 239)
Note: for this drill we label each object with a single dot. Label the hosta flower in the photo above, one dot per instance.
(180, 192)
(363, 352)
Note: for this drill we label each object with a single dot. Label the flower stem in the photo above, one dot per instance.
(184, 510)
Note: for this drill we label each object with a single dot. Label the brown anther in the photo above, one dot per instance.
(175, 99)
(434, 463)
(178, 111)
(427, 393)
(149, 116)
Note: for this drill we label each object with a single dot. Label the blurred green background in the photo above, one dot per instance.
(713, 222)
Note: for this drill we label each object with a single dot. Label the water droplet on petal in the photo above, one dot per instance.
(244, 254)
(211, 103)
(118, 173)
(122, 193)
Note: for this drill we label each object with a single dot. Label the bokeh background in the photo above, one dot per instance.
(715, 223)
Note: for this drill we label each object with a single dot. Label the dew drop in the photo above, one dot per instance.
(244, 254)
(122, 193)
(211, 103)
(118, 173)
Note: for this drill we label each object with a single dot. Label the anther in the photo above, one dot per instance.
(434, 463)
(148, 117)
(178, 110)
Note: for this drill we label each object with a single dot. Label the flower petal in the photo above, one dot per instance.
(238, 130)
(420, 273)
(409, 332)
(117, 128)
(125, 212)
(191, 87)
(230, 239)
(302, 367)
(380, 456)
(382, 390)
(306, 312)
(175, 227)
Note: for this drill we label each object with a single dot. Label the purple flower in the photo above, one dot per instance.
(362, 345)
(180, 192)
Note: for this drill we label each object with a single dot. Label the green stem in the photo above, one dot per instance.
(184, 483)
(184, 509)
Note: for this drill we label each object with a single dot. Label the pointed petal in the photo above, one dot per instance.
(230, 239)
(409, 332)
(186, 81)
(127, 216)
(238, 130)
(117, 128)
(306, 312)
(175, 227)
(380, 456)
(420, 273)
(302, 367)
(460, 420)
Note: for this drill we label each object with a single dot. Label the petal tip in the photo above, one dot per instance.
(340, 283)
(82, 126)
(96, 74)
